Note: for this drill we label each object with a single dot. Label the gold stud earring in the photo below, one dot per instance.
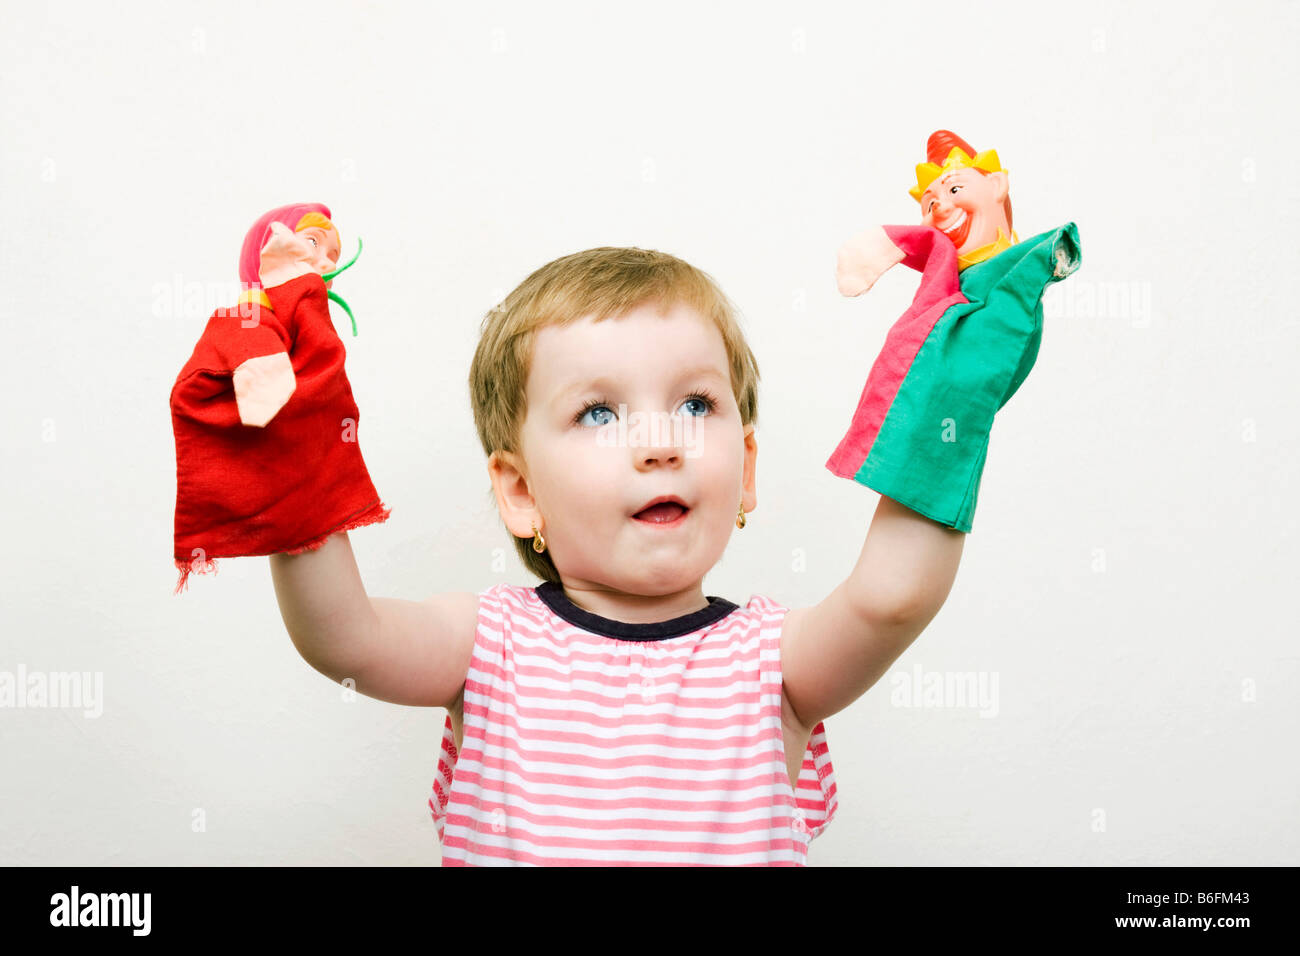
(539, 543)
(740, 515)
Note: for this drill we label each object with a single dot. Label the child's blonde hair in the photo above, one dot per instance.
(601, 282)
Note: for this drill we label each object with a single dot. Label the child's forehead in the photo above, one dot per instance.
(679, 324)
(636, 344)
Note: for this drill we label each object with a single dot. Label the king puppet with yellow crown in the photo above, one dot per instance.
(921, 430)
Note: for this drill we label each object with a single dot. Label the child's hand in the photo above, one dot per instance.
(864, 259)
(286, 255)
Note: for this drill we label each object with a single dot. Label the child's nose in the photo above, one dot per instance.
(662, 442)
(664, 453)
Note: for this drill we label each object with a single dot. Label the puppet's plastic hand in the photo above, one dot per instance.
(262, 386)
(864, 259)
(285, 256)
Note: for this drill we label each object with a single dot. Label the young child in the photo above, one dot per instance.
(615, 713)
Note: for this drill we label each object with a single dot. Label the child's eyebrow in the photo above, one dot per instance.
(593, 384)
(708, 371)
(601, 382)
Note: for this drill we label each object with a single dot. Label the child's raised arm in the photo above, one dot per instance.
(404, 652)
(833, 652)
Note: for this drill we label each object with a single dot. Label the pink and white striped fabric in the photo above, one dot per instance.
(589, 741)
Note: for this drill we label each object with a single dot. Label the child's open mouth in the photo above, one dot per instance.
(666, 514)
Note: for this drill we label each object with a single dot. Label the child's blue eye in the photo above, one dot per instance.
(593, 407)
(704, 399)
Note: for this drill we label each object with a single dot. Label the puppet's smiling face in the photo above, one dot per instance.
(621, 412)
(967, 207)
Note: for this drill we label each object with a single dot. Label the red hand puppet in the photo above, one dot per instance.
(267, 457)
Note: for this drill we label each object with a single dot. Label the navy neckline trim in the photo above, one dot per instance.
(554, 597)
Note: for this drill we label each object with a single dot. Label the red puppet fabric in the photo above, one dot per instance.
(289, 483)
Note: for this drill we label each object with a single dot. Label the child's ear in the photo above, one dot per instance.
(514, 499)
(750, 490)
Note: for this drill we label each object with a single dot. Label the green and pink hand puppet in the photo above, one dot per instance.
(920, 433)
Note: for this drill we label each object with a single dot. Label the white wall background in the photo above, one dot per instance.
(1130, 576)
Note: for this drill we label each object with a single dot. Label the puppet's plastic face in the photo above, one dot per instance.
(966, 206)
(327, 246)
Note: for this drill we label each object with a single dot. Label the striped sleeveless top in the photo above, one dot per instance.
(589, 741)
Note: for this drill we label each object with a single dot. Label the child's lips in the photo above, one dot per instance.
(666, 515)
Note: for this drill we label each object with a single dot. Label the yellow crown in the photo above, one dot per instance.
(926, 173)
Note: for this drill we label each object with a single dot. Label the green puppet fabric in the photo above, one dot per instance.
(920, 433)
